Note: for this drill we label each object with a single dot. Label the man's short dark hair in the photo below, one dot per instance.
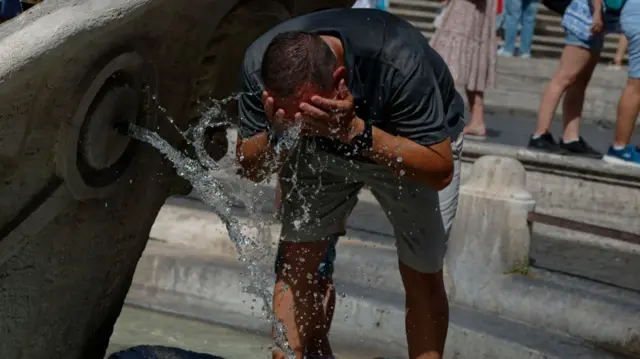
(294, 59)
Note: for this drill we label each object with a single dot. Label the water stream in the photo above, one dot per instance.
(202, 172)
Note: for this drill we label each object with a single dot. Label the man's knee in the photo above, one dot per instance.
(300, 259)
(421, 285)
(292, 252)
(634, 84)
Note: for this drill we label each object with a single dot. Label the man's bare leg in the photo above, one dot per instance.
(297, 298)
(427, 317)
(318, 345)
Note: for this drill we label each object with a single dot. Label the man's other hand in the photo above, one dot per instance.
(334, 118)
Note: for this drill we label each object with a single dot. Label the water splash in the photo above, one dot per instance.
(202, 172)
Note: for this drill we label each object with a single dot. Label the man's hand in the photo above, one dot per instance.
(276, 117)
(332, 118)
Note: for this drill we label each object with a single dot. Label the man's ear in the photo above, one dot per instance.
(339, 74)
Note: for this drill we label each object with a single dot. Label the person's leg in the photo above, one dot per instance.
(575, 57)
(315, 204)
(422, 240)
(297, 295)
(513, 12)
(622, 152)
(500, 25)
(573, 103)
(628, 108)
(621, 50)
(476, 127)
(573, 60)
(277, 203)
(318, 345)
(629, 104)
(529, 11)
(427, 312)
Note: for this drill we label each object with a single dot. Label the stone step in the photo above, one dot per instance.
(367, 258)
(522, 82)
(188, 282)
(548, 39)
(582, 254)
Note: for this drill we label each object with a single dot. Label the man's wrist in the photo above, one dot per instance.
(356, 128)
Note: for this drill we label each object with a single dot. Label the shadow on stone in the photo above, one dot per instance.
(159, 352)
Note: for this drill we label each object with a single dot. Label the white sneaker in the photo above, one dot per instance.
(502, 52)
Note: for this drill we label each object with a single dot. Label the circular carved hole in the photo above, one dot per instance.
(103, 154)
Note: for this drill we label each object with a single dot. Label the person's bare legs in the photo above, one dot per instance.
(623, 44)
(427, 313)
(318, 344)
(297, 298)
(628, 109)
(573, 101)
(278, 200)
(573, 60)
(476, 104)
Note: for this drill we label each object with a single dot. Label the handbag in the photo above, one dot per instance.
(557, 6)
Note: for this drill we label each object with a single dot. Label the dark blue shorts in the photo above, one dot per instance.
(325, 269)
(159, 352)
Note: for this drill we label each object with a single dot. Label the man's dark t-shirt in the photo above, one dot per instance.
(399, 83)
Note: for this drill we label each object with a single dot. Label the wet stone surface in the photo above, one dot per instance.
(138, 326)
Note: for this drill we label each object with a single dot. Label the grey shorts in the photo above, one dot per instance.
(319, 191)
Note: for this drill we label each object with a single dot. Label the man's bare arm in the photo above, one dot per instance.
(257, 158)
(429, 165)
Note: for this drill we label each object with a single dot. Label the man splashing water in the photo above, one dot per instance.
(376, 106)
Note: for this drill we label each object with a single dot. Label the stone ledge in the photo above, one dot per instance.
(576, 166)
(212, 290)
(546, 300)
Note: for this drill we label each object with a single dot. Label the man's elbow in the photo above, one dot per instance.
(444, 176)
(447, 178)
(439, 178)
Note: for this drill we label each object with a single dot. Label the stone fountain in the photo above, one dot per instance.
(77, 200)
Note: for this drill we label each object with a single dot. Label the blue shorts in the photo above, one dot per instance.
(594, 43)
(154, 352)
(10, 8)
(630, 23)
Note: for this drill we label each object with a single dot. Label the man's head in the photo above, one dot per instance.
(297, 66)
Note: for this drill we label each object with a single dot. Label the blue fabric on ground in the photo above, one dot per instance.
(159, 352)
(10, 8)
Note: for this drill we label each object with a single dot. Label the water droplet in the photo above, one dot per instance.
(399, 159)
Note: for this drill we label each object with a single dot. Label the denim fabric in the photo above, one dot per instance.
(579, 17)
(10, 8)
(630, 22)
(519, 12)
(593, 43)
(500, 21)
